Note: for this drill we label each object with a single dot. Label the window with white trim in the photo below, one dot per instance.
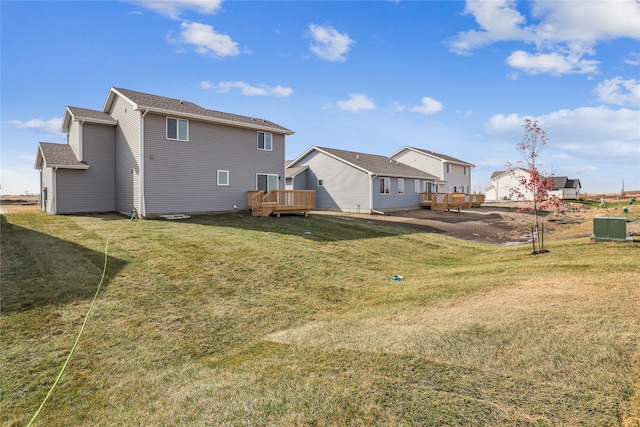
(385, 185)
(448, 167)
(265, 141)
(177, 129)
(400, 186)
(320, 183)
(465, 170)
(416, 186)
(223, 177)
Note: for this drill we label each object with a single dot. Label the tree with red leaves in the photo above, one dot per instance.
(534, 186)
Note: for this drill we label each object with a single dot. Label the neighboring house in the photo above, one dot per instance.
(296, 177)
(565, 188)
(358, 182)
(502, 183)
(158, 155)
(453, 175)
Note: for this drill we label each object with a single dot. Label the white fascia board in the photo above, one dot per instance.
(301, 156)
(401, 150)
(79, 167)
(340, 159)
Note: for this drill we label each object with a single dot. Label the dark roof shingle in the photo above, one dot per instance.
(85, 113)
(145, 100)
(60, 155)
(443, 157)
(379, 165)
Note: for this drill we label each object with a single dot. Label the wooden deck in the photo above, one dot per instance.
(446, 201)
(280, 202)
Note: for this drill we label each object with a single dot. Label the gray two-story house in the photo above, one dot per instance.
(156, 155)
(454, 174)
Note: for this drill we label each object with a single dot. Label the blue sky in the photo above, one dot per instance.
(453, 77)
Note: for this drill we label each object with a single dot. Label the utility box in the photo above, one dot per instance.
(610, 229)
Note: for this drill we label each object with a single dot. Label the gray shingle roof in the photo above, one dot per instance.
(84, 113)
(443, 157)
(179, 106)
(564, 182)
(379, 165)
(58, 155)
(294, 170)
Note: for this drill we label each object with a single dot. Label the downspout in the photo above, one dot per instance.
(142, 202)
(81, 144)
(54, 196)
(373, 176)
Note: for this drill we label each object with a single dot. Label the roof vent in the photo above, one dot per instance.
(390, 161)
(181, 101)
(357, 156)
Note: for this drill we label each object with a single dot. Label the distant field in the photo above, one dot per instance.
(232, 320)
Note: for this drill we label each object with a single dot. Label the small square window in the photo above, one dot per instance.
(223, 177)
(265, 141)
(177, 129)
(319, 183)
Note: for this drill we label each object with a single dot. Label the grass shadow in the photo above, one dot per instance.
(316, 228)
(39, 269)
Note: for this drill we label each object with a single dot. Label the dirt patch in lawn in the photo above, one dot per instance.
(18, 204)
(499, 223)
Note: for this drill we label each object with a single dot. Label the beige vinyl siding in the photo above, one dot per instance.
(127, 153)
(180, 176)
(423, 162)
(344, 187)
(74, 138)
(426, 163)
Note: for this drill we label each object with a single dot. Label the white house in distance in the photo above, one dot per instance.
(502, 183)
(453, 175)
(566, 188)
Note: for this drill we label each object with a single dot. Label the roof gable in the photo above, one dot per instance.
(85, 115)
(442, 157)
(162, 105)
(370, 163)
(57, 156)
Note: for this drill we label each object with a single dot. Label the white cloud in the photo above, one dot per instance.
(619, 92)
(427, 106)
(499, 21)
(587, 22)
(329, 44)
(206, 41)
(586, 133)
(175, 8)
(552, 63)
(248, 90)
(563, 34)
(356, 102)
(49, 127)
(632, 59)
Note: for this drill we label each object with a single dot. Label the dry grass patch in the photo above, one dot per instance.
(234, 320)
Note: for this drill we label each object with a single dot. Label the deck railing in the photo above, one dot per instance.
(448, 201)
(280, 201)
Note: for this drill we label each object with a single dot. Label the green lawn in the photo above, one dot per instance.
(234, 320)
